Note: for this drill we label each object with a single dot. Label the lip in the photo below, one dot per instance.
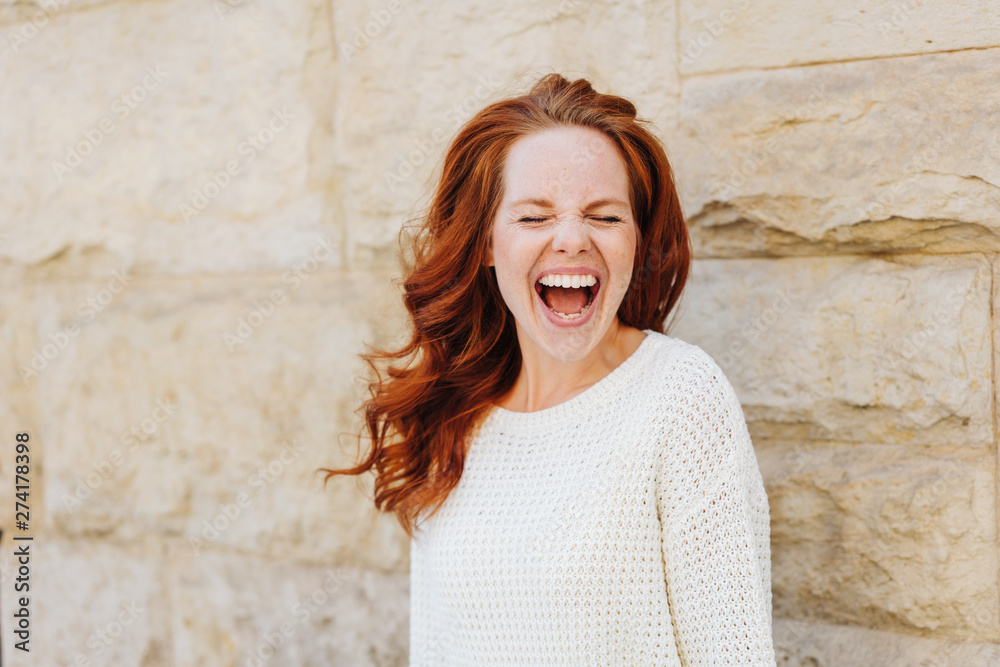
(571, 271)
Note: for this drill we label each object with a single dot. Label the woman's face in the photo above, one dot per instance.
(565, 212)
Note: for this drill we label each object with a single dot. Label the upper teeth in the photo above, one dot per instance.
(564, 280)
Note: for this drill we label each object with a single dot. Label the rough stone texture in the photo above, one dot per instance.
(93, 600)
(892, 537)
(883, 155)
(219, 77)
(851, 349)
(162, 605)
(718, 35)
(806, 644)
(230, 610)
(207, 409)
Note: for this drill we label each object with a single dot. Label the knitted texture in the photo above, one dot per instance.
(626, 526)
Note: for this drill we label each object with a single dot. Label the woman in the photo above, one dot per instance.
(579, 488)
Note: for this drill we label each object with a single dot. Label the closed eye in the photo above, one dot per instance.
(607, 218)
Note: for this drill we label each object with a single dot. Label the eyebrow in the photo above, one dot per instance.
(545, 203)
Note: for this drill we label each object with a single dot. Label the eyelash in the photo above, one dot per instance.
(606, 218)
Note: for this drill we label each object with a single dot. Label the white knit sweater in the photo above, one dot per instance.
(626, 526)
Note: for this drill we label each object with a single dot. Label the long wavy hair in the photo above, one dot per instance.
(463, 354)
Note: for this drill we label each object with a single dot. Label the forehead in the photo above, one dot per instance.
(563, 163)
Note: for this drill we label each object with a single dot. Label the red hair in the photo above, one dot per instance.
(464, 348)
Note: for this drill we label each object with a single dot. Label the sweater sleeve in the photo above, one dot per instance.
(715, 526)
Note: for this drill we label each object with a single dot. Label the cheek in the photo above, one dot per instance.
(510, 253)
(621, 256)
(506, 265)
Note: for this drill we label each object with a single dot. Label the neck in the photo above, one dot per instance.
(545, 381)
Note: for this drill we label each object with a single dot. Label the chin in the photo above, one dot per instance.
(570, 343)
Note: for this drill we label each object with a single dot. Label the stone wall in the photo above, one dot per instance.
(200, 205)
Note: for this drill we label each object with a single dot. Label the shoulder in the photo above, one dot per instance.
(678, 368)
(692, 398)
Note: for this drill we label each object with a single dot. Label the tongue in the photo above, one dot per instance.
(565, 300)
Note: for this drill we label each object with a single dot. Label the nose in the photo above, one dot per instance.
(572, 235)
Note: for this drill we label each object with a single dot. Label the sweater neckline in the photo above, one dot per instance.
(602, 389)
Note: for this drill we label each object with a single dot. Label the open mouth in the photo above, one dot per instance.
(568, 303)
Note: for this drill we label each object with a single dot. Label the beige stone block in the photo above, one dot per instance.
(881, 155)
(851, 349)
(719, 35)
(90, 602)
(169, 138)
(888, 537)
(410, 74)
(808, 643)
(229, 609)
(201, 409)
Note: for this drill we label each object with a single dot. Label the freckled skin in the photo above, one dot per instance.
(567, 168)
